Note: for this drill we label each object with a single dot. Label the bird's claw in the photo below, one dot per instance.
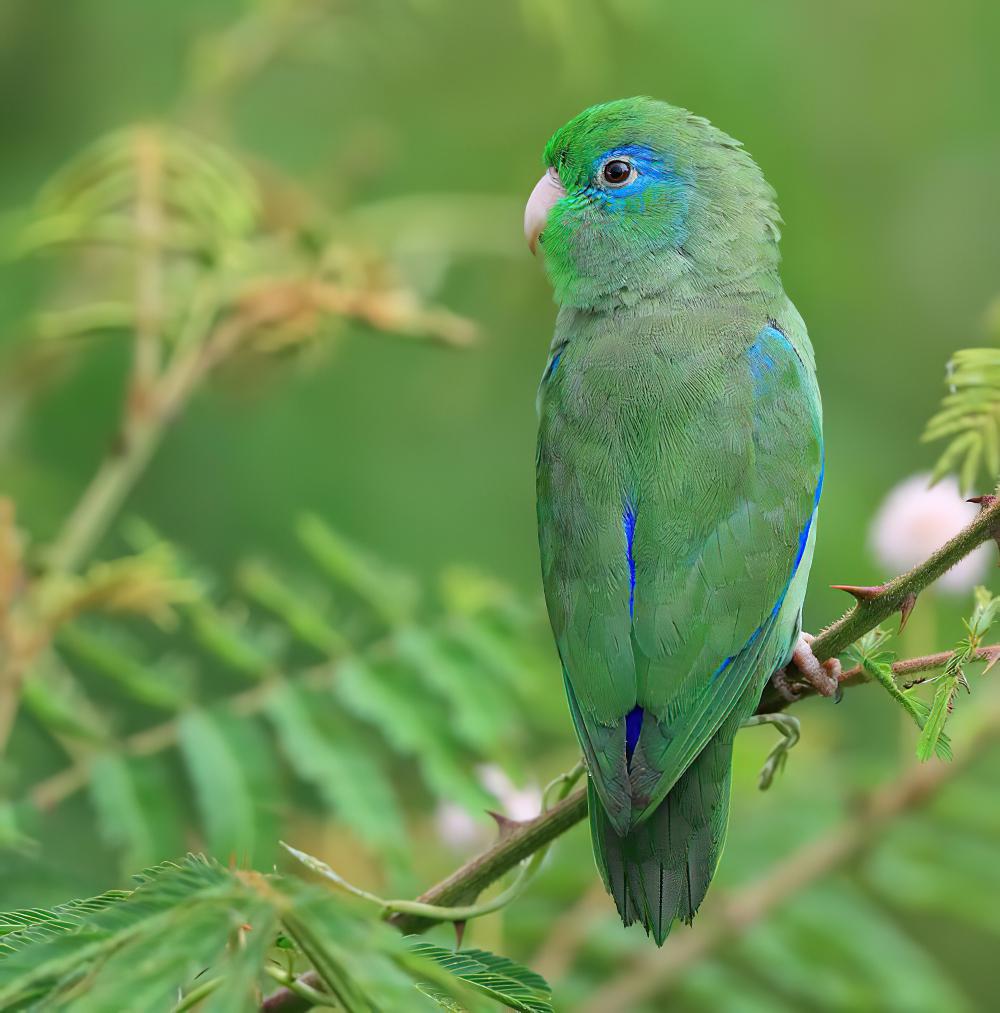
(822, 676)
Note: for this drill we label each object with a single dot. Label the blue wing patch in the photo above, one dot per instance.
(628, 525)
(770, 348)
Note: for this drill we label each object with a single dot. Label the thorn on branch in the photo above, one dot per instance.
(905, 609)
(505, 825)
(861, 594)
(459, 928)
(986, 502)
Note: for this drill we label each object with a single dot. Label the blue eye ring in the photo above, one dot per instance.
(618, 172)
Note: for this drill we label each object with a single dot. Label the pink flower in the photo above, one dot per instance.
(917, 518)
(461, 830)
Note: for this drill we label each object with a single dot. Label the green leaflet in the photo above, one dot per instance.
(416, 726)
(133, 800)
(62, 918)
(109, 653)
(947, 684)
(230, 767)
(497, 977)
(223, 636)
(391, 594)
(932, 739)
(970, 417)
(326, 750)
(296, 610)
(60, 704)
(499, 651)
(878, 666)
(483, 710)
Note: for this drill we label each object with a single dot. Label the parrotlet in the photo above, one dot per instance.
(679, 469)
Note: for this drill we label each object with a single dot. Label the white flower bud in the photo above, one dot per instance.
(915, 519)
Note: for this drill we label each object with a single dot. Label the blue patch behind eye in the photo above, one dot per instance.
(633, 726)
(652, 169)
(628, 523)
(657, 184)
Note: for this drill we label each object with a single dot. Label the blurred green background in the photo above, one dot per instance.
(875, 123)
(422, 125)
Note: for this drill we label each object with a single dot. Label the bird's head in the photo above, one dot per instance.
(640, 197)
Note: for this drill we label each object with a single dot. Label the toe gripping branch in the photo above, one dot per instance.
(805, 669)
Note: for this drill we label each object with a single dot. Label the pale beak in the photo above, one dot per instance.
(548, 190)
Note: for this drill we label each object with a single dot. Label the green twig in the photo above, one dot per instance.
(424, 909)
(195, 996)
(301, 988)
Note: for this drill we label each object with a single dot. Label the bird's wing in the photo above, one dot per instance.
(665, 578)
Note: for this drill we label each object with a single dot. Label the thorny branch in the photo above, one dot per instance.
(874, 605)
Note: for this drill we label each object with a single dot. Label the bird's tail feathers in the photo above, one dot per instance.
(660, 870)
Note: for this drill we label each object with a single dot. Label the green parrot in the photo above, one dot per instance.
(679, 469)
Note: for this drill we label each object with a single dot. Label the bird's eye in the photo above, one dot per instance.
(618, 172)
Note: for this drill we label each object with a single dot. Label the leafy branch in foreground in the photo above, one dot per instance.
(219, 934)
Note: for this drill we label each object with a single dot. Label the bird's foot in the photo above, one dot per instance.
(788, 690)
(789, 728)
(822, 676)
